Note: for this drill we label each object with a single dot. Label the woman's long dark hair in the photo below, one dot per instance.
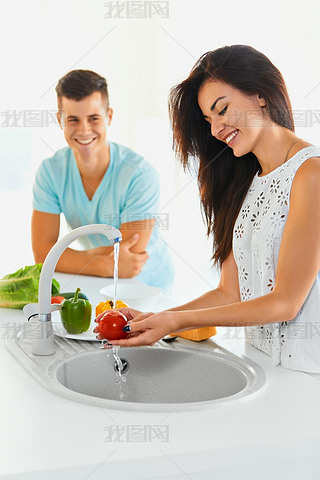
(224, 179)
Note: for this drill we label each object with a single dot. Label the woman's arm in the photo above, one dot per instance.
(297, 269)
(298, 262)
(227, 291)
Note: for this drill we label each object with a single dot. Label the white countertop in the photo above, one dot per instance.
(45, 436)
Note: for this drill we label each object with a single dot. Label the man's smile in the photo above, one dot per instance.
(85, 142)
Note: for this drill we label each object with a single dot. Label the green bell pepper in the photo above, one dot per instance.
(76, 314)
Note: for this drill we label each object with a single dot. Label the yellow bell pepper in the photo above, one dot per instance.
(108, 305)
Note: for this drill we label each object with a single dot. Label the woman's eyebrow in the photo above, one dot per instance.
(214, 103)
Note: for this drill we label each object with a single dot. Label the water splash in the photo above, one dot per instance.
(115, 353)
(122, 379)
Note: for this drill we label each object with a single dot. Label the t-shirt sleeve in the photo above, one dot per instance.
(45, 198)
(142, 198)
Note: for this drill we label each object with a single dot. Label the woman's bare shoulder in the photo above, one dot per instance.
(304, 144)
(308, 176)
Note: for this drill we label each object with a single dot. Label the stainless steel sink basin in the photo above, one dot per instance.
(180, 375)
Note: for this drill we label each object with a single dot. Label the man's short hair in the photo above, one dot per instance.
(79, 84)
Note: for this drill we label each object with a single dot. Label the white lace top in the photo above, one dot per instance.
(256, 242)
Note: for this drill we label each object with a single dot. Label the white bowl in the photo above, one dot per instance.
(141, 297)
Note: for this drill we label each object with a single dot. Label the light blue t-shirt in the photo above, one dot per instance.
(128, 192)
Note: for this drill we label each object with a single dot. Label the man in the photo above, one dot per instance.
(96, 181)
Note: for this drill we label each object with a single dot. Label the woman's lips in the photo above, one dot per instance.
(233, 139)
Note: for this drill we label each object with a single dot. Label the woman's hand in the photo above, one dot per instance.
(129, 313)
(148, 328)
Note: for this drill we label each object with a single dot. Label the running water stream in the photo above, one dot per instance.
(116, 247)
(115, 348)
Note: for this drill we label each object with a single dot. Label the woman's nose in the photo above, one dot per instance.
(216, 127)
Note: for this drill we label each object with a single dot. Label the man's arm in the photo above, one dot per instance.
(143, 228)
(135, 238)
(99, 261)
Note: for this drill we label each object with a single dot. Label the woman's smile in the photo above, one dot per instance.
(231, 138)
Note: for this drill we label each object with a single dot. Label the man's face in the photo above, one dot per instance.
(84, 123)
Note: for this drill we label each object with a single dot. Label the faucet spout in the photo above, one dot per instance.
(45, 344)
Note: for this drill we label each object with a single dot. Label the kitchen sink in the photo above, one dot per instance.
(180, 375)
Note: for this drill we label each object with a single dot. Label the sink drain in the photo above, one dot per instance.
(125, 365)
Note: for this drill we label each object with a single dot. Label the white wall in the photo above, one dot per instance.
(141, 59)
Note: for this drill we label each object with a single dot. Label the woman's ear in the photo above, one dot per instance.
(261, 101)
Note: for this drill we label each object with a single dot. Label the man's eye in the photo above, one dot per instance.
(72, 120)
(223, 111)
(95, 119)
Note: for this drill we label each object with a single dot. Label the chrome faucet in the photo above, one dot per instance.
(44, 344)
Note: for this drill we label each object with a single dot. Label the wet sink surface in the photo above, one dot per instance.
(183, 374)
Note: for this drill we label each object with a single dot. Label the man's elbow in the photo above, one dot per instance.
(38, 257)
(40, 252)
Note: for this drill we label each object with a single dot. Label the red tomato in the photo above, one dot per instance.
(57, 299)
(111, 324)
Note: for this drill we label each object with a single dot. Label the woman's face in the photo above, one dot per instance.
(235, 118)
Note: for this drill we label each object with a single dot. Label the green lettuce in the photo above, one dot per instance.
(19, 288)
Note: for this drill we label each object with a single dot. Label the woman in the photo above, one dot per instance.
(260, 192)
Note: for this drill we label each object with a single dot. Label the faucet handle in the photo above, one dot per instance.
(32, 309)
